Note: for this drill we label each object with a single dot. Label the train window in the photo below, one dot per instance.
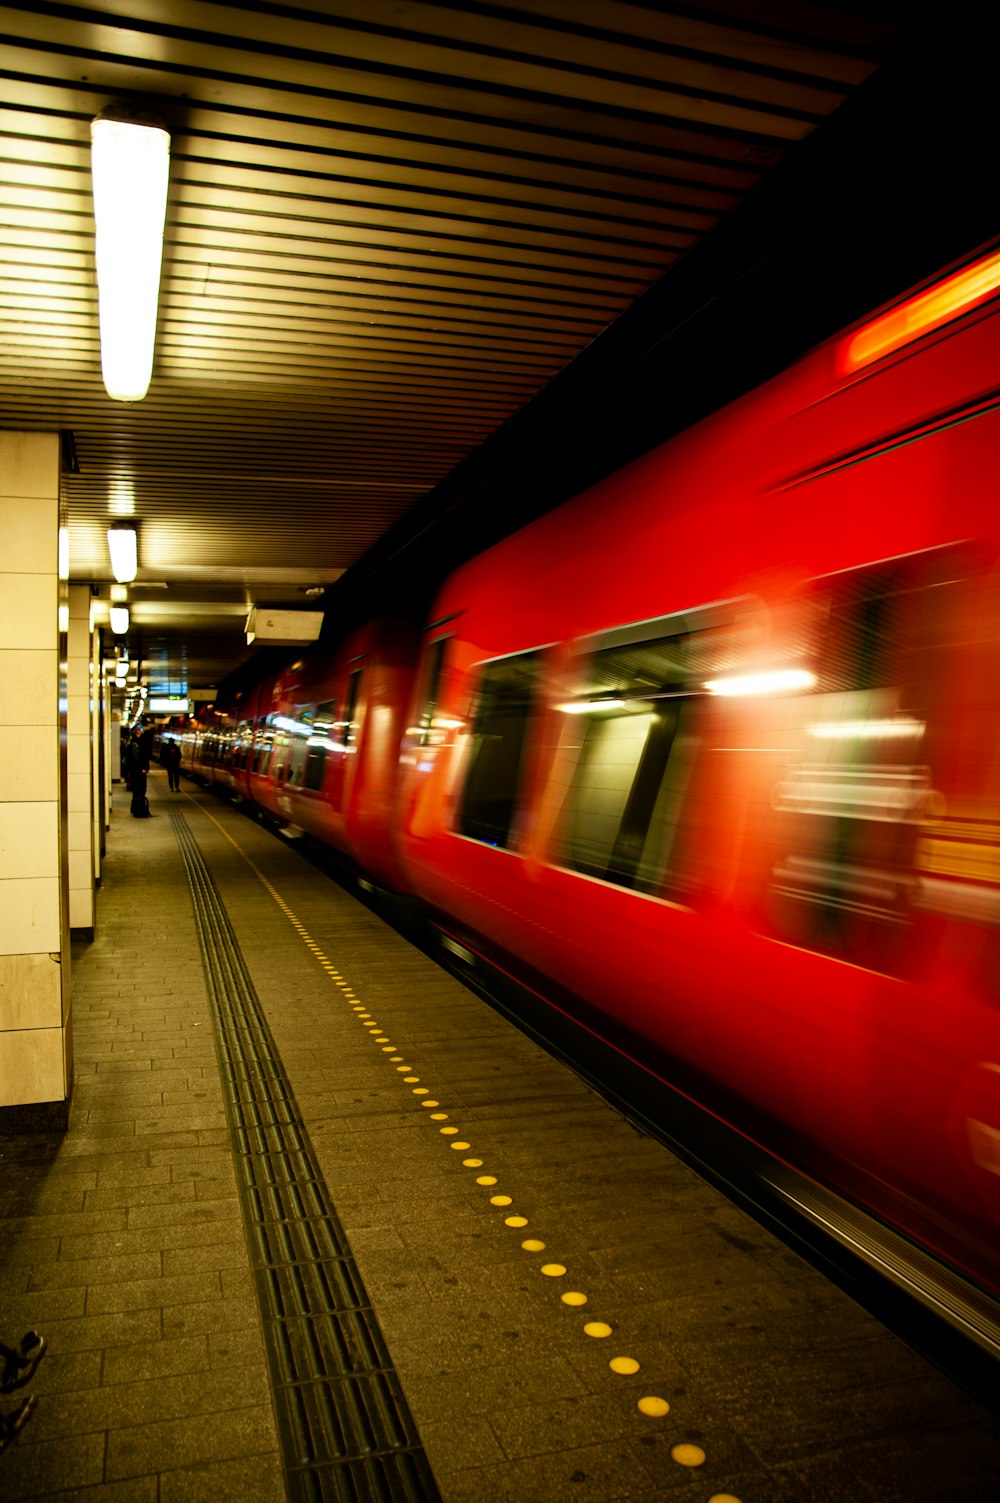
(319, 744)
(504, 702)
(626, 758)
(865, 751)
(435, 663)
(300, 728)
(348, 726)
(263, 740)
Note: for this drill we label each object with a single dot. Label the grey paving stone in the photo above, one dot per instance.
(256, 1479)
(172, 1445)
(156, 1359)
(140, 1294)
(40, 1469)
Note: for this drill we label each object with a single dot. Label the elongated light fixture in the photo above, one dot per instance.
(124, 555)
(129, 159)
(119, 619)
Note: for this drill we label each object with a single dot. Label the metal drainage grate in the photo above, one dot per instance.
(345, 1430)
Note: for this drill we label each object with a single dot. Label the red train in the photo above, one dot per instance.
(711, 754)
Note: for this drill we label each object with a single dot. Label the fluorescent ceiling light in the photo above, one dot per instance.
(124, 556)
(119, 619)
(130, 160)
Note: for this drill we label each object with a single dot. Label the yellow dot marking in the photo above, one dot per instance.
(688, 1455)
(435, 1116)
(553, 1270)
(486, 1179)
(473, 1163)
(572, 1296)
(442, 1116)
(380, 1038)
(395, 1059)
(501, 1200)
(723, 1498)
(656, 1408)
(364, 1014)
(410, 1079)
(389, 1049)
(448, 1131)
(402, 1069)
(598, 1328)
(532, 1244)
(515, 1221)
(419, 1090)
(462, 1147)
(623, 1365)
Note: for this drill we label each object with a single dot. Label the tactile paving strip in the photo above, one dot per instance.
(345, 1429)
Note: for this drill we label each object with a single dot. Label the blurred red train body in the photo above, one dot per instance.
(712, 752)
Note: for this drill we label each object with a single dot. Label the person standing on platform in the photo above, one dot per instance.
(136, 769)
(172, 762)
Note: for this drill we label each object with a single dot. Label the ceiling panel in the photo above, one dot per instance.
(391, 225)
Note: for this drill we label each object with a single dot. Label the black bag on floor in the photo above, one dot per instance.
(140, 806)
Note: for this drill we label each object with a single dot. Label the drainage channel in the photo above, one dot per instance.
(344, 1427)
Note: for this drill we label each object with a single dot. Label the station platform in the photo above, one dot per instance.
(326, 1226)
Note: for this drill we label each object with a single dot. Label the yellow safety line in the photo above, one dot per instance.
(650, 1405)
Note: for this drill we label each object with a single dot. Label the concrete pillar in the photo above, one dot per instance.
(80, 764)
(36, 1069)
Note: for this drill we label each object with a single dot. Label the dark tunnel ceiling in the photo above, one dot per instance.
(393, 225)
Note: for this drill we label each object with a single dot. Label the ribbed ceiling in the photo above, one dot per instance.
(390, 224)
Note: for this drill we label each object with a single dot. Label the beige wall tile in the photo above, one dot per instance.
(79, 826)
(29, 464)
(31, 686)
(30, 992)
(29, 916)
(29, 840)
(81, 904)
(30, 533)
(81, 874)
(29, 611)
(31, 1067)
(29, 763)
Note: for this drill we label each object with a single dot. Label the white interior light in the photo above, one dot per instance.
(119, 619)
(779, 681)
(124, 555)
(130, 162)
(591, 706)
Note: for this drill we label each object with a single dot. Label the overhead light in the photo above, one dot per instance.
(129, 160)
(119, 619)
(122, 547)
(118, 593)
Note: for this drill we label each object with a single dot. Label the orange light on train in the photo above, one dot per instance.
(927, 311)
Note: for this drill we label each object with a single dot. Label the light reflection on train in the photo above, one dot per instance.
(709, 755)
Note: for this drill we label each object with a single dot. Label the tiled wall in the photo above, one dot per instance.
(34, 960)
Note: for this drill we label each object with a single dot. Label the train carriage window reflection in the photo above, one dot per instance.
(263, 742)
(434, 665)
(504, 702)
(299, 727)
(866, 752)
(642, 788)
(628, 752)
(348, 728)
(319, 744)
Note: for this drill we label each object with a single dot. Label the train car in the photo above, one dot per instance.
(709, 757)
(316, 745)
